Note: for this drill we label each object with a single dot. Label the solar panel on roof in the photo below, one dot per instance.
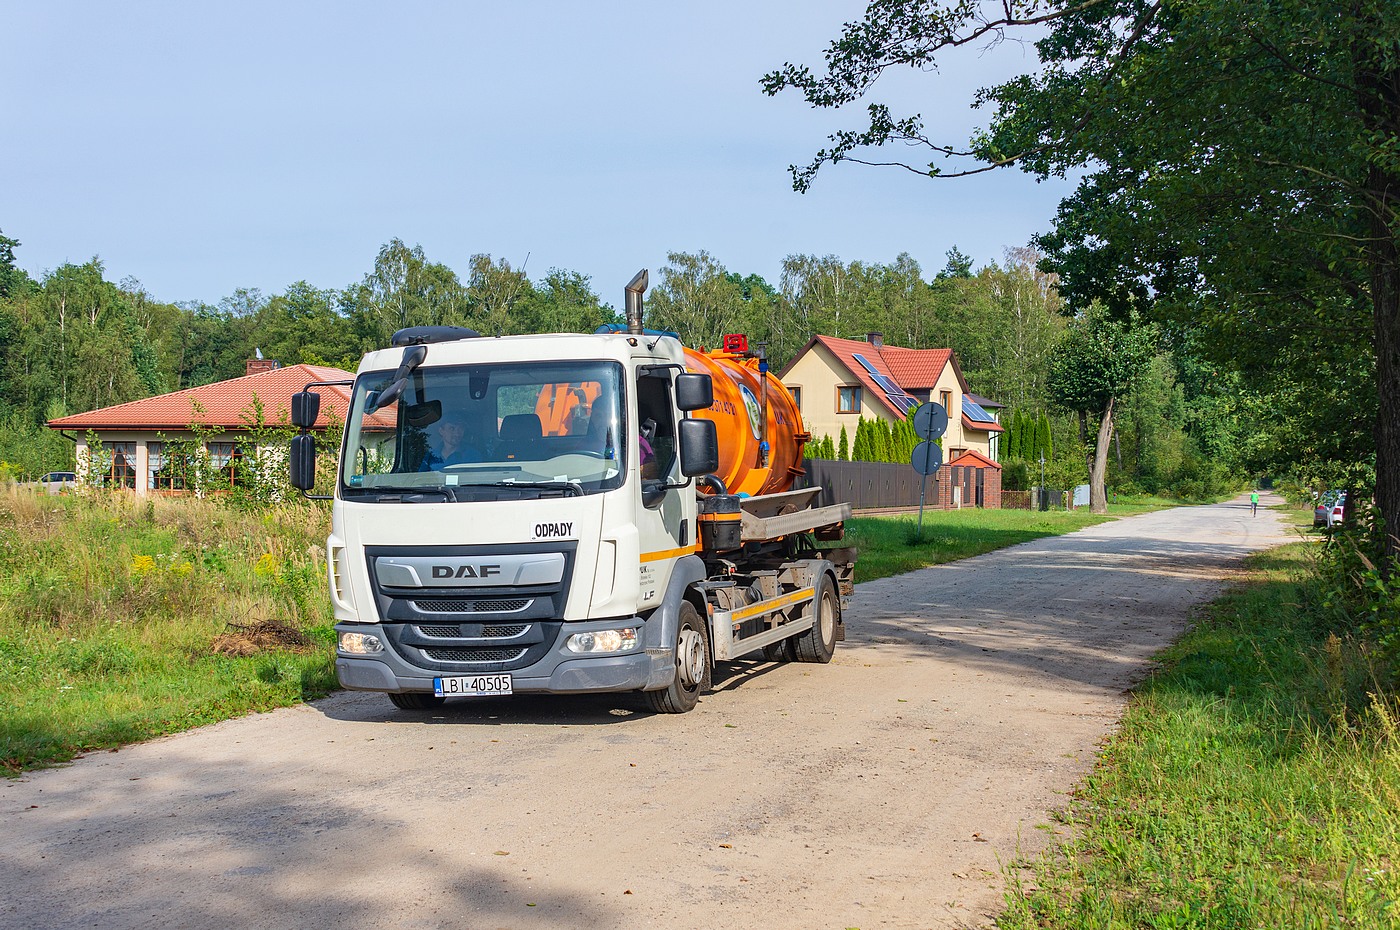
(893, 391)
(976, 413)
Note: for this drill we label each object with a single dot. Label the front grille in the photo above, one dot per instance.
(473, 655)
(514, 629)
(446, 605)
(496, 631)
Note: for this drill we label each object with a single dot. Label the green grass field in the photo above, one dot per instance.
(121, 620)
(1254, 783)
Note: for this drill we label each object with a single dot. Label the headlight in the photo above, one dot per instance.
(360, 644)
(603, 641)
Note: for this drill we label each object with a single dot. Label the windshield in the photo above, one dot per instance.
(487, 432)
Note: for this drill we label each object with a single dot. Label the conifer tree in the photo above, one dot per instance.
(860, 446)
(843, 448)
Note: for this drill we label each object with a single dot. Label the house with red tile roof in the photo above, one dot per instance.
(134, 434)
(838, 381)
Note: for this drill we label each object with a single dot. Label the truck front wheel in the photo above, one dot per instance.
(416, 700)
(692, 666)
(819, 643)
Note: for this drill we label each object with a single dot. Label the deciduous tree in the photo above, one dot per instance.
(1242, 161)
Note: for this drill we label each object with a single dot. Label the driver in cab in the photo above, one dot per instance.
(451, 447)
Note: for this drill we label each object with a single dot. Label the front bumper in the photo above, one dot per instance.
(558, 671)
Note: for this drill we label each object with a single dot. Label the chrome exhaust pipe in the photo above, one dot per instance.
(635, 289)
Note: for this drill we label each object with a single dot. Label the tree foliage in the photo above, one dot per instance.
(1241, 173)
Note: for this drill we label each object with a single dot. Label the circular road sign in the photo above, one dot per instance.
(927, 457)
(930, 421)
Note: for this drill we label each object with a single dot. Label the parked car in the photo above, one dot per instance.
(56, 481)
(1328, 512)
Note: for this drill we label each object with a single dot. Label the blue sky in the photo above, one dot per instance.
(202, 148)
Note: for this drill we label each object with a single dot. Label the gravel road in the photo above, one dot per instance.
(884, 790)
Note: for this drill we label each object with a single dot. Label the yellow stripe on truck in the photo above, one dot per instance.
(777, 603)
(666, 554)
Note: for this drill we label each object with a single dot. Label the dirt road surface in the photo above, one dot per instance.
(884, 790)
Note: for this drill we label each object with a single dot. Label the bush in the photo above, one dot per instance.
(1016, 475)
(1358, 588)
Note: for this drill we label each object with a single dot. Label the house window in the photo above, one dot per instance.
(155, 464)
(220, 454)
(946, 399)
(848, 399)
(796, 396)
(121, 467)
(225, 457)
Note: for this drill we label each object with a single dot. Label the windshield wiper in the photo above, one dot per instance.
(416, 496)
(568, 488)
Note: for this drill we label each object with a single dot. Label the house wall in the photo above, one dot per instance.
(819, 373)
(142, 438)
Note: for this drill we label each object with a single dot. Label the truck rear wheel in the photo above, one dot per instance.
(781, 651)
(819, 643)
(692, 666)
(416, 700)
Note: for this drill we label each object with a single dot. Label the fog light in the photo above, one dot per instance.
(360, 644)
(603, 641)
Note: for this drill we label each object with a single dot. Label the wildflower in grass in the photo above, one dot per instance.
(267, 566)
(142, 565)
(182, 569)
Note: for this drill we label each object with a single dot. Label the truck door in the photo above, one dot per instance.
(663, 532)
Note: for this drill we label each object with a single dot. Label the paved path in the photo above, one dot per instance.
(883, 790)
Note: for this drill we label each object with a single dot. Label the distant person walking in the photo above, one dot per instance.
(1254, 503)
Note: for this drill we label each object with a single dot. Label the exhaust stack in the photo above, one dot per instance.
(635, 289)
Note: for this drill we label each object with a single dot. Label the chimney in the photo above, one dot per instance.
(876, 339)
(257, 366)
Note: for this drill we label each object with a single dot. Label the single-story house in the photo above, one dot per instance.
(133, 434)
(837, 381)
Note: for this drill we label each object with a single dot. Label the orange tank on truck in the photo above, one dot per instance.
(759, 425)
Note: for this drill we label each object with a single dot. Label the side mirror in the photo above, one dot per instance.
(694, 392)
(301, 463)
(699, 442)
(306, 407)
(387, 396)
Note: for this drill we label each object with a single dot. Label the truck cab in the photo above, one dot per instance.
(511, 513)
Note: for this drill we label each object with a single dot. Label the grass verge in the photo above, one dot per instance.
(891, 545)
(122, 619)
(1253, 783)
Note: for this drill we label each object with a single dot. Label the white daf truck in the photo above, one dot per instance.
(580, 535)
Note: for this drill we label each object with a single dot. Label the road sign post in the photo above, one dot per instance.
(930, 422)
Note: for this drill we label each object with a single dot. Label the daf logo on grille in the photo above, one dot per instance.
(470, 571)
(466, 571)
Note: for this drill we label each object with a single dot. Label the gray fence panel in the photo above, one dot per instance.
(875, 485)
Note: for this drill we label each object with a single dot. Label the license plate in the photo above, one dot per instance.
(472, 686)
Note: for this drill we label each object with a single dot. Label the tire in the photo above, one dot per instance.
(692, 649)
(781, 651)
(416, 700)
(819, 643)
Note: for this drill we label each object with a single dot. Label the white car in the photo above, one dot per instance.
(56, 481)
(1329, 510)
